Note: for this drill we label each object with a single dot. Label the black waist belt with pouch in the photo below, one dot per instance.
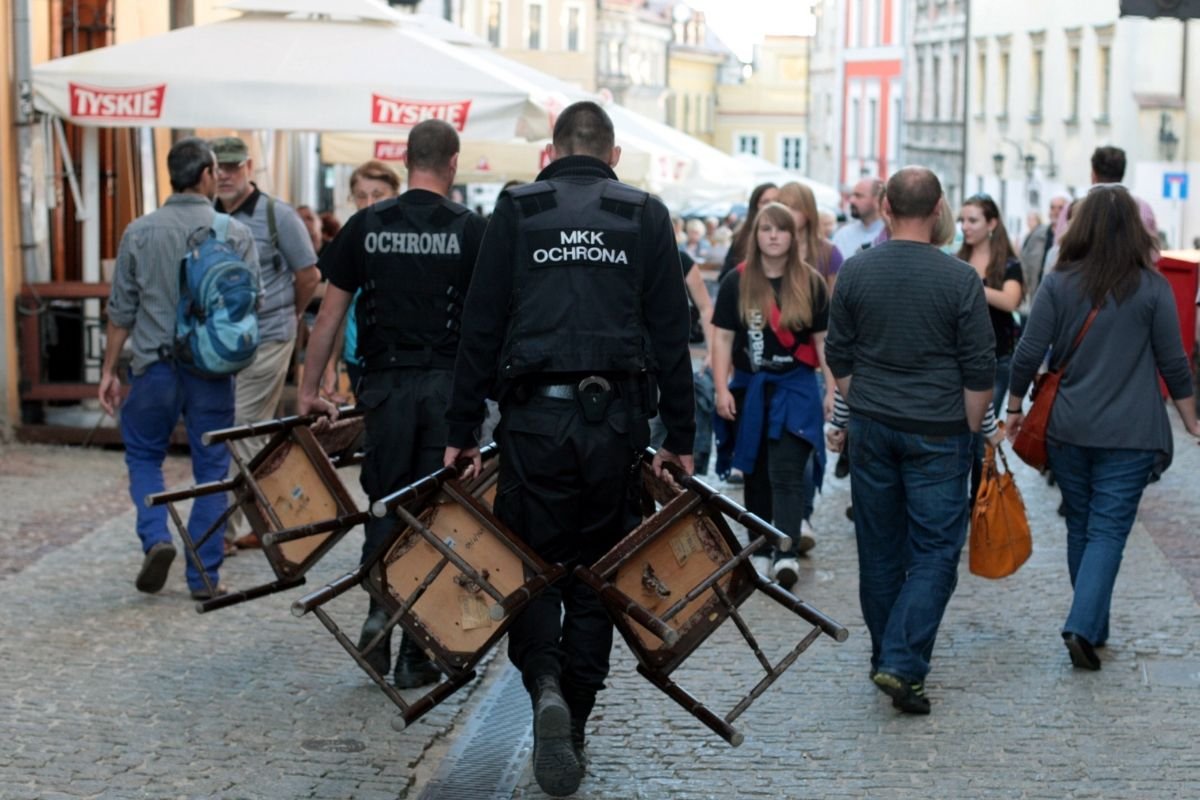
(594, 394)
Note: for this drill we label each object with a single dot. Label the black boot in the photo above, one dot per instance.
(413, 667)
(556, 767)
(580, 702)
(380, 658)
(579, 740)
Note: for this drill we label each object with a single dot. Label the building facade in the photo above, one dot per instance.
(1051, 82)
(632, 53)
(697, 64)
(933, 133)
(872, 87)
(555, 36)
(825, 93)
(767, 114)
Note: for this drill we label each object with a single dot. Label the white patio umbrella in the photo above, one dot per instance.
(827, 196)
(656, 157)
(278, 67)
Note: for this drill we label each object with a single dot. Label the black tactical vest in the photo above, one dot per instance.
(577, 279)
(408, 314)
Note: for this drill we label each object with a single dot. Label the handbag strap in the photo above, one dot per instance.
(1003, 460)
(1087, 323)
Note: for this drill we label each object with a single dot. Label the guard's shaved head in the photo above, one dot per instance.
(585, 129)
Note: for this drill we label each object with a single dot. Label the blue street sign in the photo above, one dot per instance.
(1175, 186)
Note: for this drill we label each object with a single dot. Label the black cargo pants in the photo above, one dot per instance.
(405, 435)
(565, 488)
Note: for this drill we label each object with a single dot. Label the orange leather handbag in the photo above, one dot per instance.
(1000, 540)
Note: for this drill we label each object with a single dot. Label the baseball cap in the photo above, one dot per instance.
(229, 150)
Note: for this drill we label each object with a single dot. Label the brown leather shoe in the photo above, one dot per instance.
(248, 542)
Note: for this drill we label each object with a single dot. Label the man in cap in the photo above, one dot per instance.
(289, 277)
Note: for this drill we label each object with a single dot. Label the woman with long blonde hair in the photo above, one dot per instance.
(769, 342)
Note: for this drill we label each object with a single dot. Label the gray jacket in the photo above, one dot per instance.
(1109, 395)
(145, 288)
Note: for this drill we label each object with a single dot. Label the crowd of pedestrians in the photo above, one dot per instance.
(874, 340)
(925, 348)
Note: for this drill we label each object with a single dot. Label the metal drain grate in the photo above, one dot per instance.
(487, 758)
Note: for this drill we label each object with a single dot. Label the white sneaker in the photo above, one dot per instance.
(787, 572)
(808, 538)
(762, 564)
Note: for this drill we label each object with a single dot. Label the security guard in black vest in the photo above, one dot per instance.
(576, 311)
(412, 258)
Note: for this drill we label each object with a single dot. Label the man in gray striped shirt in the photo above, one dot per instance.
(142, 310)
(911, 346)
(287, 266)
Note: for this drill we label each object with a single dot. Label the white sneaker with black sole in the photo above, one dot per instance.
(808, 538)
(787, 572)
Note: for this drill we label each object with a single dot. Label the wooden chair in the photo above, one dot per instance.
(452, 577)
(678, 576)
(290, 493)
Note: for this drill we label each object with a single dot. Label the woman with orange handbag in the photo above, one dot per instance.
(1107, 427)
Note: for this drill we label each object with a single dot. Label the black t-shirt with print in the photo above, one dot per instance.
(1003, 324)
(751, 351)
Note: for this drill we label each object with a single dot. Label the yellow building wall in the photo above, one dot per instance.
(553, 58)
(692, 79)
(10, 233)
(772, 103)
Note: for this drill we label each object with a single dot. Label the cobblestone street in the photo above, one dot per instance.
(110, 693)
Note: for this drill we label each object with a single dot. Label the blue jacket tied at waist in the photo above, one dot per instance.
(795, 407)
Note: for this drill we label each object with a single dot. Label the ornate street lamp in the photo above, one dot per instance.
(1050, 169)
(1168, 142)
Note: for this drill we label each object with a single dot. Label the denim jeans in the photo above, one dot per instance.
(705, 404)
(910, 518)
(705, 393)
(808, 483)
(156, 399)
(1101, 489)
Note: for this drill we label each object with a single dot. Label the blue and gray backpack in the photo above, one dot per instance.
(216, 327)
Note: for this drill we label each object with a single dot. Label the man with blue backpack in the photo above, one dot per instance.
(184, 294)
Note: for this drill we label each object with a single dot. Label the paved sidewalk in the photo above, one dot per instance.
(1011, 718)
(109, 693)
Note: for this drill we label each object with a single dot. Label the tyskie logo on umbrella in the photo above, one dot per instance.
(407, 113)
(97, 102)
